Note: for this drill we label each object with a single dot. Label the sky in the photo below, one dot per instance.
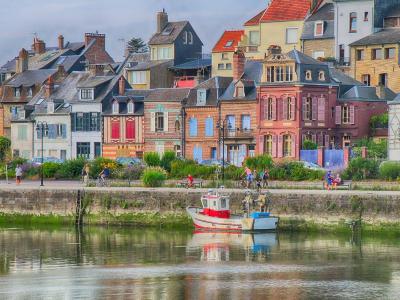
(119, 19)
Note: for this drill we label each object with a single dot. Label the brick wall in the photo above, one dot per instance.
(326, 45)
(1, 121)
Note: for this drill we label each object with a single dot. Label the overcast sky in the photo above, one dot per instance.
(118, 19)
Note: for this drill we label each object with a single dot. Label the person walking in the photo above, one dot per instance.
(85, 174)
(18, 174)
(249, 176)
(265, 177)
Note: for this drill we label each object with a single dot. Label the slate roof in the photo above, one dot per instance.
(215, 88)
(138, 57)
(301, 58)
(147, 65)
(161, 95)
(68, 62)
(94, 81)
(194, 64)
(385, 36)
(366, 94)
(233, 36)
(30, 78)
(123, 106)
(174, 27)
(326, 14)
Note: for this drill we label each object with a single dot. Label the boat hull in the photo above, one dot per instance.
(235, 223)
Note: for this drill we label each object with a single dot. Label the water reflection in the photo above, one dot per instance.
(115, 263)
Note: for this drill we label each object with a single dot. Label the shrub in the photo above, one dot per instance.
(5, 145)
(130, 172)
(50, 169)
(154, 177)
(294, 171)
(309, 145)
(376, 149)
(70, 169)
(182, 168)
(152, 159)
(167, 159)
(361, 168)
(390, 170)
(233, 173)
(99, 164)
(259, 163)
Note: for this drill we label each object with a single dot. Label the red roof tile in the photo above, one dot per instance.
(286, 10)
(255, 20)
(228, 41)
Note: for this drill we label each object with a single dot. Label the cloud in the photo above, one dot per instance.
(118, 19)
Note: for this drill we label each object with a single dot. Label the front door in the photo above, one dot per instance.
(234, 155)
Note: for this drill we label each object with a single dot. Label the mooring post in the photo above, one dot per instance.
(79, 209)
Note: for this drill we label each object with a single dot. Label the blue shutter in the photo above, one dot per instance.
(64, 131)
(200, 151)
(246, 123)
(209, 127)
(197, 154)
(52, 132)
(193, 127)
(231, 123)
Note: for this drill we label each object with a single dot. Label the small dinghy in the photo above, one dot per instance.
(216, 215)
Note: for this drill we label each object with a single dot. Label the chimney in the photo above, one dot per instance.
(49, 88)
(22, 61)
(121, 86)
(273, 49)
(381, 92)
(38, 46)
(239, 61)
(162, 20)
(96, 70)
(98, 37)
(61, 42)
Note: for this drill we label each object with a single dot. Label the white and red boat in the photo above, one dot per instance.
(216, 215)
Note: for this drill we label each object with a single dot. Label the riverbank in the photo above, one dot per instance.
(299, 210)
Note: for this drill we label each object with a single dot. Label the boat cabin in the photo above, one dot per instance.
(215, 205)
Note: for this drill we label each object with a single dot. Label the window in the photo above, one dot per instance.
(130, 108)
(115, 130)
(279, 74)
(224, 56)
(308, 75)
(30, 92)
(85, 122)
(289, 73)
(319, 28)
(228, 66)
(59, 130)
(221, 67)
(138, 77)
(360, 54)
(377, 54)
(321, 76)
(94, 122)
(190, 38)
(383, 79)
(289, 108)
(346, 115)
(246, 122)
(270, 74)
(115, 107)
(318, 54)
(185, 37)
(287, 145)
(291, 35)
(254, 38)
(14, 111)
(231, 122)
(268, 145)
(239, 91)
(389, 53)
(83, 150)
(270, 109)
(130, 129)
(193, 127)
(307, 113)
(366, 15)
(86, 94)
(353, 22)
(164, 53)
(159, 121)
(201, 97)
(228, 44)
(22, 133)
(178, 151)
(17, 92)
(366, 79)
(209, 127)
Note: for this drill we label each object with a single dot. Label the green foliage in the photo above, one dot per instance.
(233, 173)
(154, 177)
(152, 159)
(376, 149)
(136, 45)
(50, 169)
(309, 145)
(5, 145)
(167, 159)
(294, 171)
(361, 168)
(259, 163)
(130, 172)
(390, 170)
(99, 164)
(182, 168)
(380, 121)
(70, 169)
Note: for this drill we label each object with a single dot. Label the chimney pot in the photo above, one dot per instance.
(239, 61)
(61, 42)
(49, 87)
(38, 46)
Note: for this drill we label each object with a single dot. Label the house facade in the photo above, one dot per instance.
(394, 130)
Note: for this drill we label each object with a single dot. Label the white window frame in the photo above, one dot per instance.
(130, 107)
(316, 26)
(86, 94)
(253, 33)
(138, 77)
(287, 37)
(201, 97)
(115, 108)
(164, 53)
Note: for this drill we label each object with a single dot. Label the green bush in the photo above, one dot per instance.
(70, 169)
(5, 145)
(130, 172)
(100, 163)
(259, 163)
(309, 145)
(50, 169)
(167, 159)
(294, 171)
(390, 170)
(361, 168)
(233, 173)
(376, 149)
(182, 168)
(154, 177)
(152, 159)
(380, 121)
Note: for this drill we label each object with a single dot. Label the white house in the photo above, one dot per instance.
(394, 130)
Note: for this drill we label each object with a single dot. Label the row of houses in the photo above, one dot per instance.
(265, 89)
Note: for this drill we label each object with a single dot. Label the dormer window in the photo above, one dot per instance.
(17, 92)
(115, 107)
(201, 97)
(130, 107)
(308, 75)
(321, 76)
(50, 107)
(30, 92)
(86, 94)
(319, 28)
(190, 38)
(228, 44)
(239, 91)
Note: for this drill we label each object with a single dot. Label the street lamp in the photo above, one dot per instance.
(41, 128)
(222, 126)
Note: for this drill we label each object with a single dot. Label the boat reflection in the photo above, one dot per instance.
(218, 246)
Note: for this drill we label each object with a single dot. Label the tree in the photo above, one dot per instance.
(309, 145)
(136, 45)
(5, 145)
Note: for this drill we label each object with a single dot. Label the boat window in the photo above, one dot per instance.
(223, 203)
(215, 203)
(205, 203)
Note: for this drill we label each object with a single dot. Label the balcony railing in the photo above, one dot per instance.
(239, 133)
(185, 82)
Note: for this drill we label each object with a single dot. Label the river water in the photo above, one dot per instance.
(114, 263)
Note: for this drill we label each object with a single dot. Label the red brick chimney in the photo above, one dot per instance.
(49, 88)
(96, 70)
(239, 61)
(121, 86)
(162, 20)
(22, 61)
(99, 38)
(60, 42)
(38, 46)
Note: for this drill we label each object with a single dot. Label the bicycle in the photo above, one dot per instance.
(102, 182)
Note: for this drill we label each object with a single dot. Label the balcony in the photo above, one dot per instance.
(185, 81)
(239, 133)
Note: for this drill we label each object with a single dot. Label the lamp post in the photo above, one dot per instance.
(222, 126)
(42, 127)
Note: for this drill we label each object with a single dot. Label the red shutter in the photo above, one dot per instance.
(352, 115)
(314, 111)
(280, 146)
(304, 105)
(284, 110)
(293, 109)
(294, 145)
(130, 129)
(115, 128)
(274, 144)
(338, 115)
(321, 109)
(274, 109)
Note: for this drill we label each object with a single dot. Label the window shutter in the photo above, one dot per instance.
(293, 107)
(152, 121)
(166, 119)
(262, 110)
(130, 129)
(293, 145)
(304, 105)
(209, 127)
(338, 115)
(64, 131)
(73, 122)
(115, 128)
(242, 154)
(52, 131)
(274, 145)
(284, 110)
(327, 141)
(314, 108)
(321, 109)
(261, 141)
(274, 109)
(193, 127)
(352, 115)
(280, 146)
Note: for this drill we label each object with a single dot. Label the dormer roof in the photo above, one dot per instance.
(229, 40)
